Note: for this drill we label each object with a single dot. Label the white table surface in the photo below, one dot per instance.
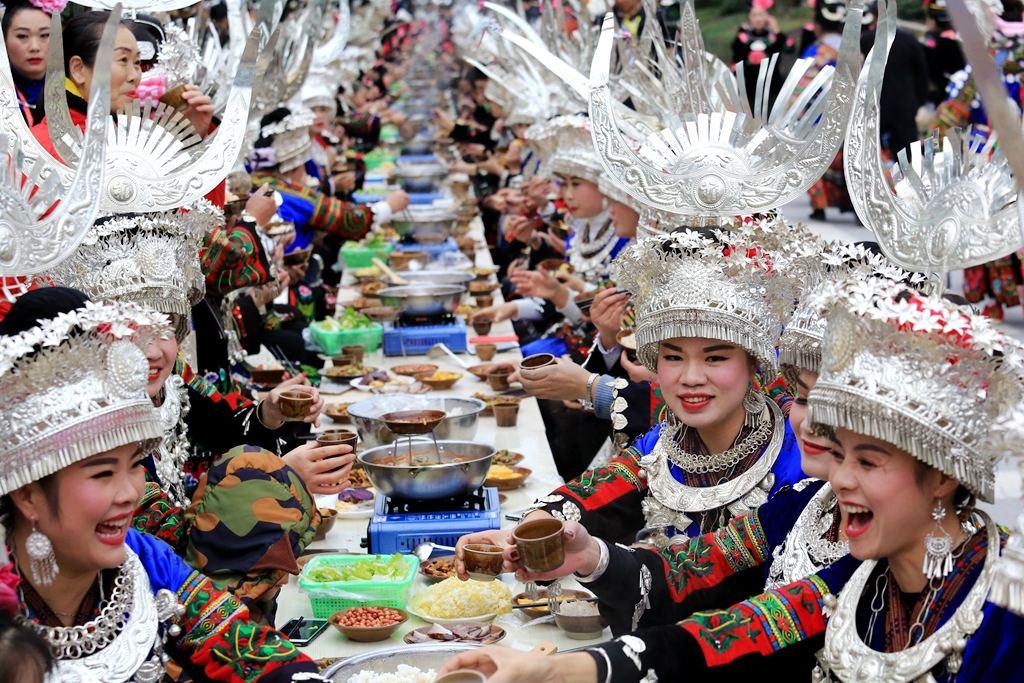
(528, 438)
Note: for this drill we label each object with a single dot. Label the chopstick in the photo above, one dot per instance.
(545, 602)
(276, 351)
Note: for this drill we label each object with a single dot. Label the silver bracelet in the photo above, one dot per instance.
(602, 564)
(588, 396)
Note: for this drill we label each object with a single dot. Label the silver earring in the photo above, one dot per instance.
(938, 547)
(43, 565)
(753, 404)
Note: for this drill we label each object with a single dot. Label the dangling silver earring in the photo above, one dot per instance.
(938, 547)
(43, 566)
(753, 405)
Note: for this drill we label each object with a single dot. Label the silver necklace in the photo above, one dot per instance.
(699, 463)
(846, 657)
(807, 548)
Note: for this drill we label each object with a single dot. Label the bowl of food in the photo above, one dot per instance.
(423, 299)
(542, 597)
(363, 303)
(404, 661)
(328, 516)
(453, 601)
(555, 266)
(368, 624)
(477, 287)
(579, 620)
(425, 470)
(381, 314)
(483, 272)
(412, 422)
(370, 289)
(459, 424)
(401, 260)
(506, 477)
(438, 568)
(348, 372)
(364, 275)
(507, 458)
(439, 380)
(413, 369)
(481, 370)
(338, 412)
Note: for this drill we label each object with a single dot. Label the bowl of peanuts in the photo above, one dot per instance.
(368, 624)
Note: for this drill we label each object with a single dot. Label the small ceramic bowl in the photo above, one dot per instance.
(483, 562)
(438, 384)
(296, 403)
(328, 516)
(367, 635)
(586, 627)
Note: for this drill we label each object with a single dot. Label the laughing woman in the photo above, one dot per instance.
(111, 603)
(910, 387)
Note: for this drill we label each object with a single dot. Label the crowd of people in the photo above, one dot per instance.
(774, 446)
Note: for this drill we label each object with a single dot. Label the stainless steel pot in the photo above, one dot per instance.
(436, 277)
(460, 425)
(462, 468)
(423, 299)
(424, 657)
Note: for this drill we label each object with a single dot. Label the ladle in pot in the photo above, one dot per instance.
(410, 423)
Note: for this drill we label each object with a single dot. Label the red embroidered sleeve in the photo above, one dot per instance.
(350, 221)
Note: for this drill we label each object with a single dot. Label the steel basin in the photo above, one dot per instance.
(463, 468)
(460, 425)
(424, 657)
(423, 299)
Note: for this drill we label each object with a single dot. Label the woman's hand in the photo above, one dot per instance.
(636, 371)
(561, 381)
(398, 200)
(261, 205)
(345, 182)
(497, 313)
(271, 414)
(499, 537)
(504, 665)
(582, 553)
(542, 284)
(606, 313)
(198, 109)
(324, 469)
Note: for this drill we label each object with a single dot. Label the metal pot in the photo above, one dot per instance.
(462, 468)
(460, 425)
(436, 277)
(423, 299)
(424, 657)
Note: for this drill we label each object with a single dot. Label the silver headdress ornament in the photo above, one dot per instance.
(155, 161)
(824, 263)
(708, 163)
(954, 205)
(75, 386)
(573, 154)
(33, 241)
(132, 7)
(918, 372)
(150, 259)
(689, 284)
(291, 145)
(290, 59)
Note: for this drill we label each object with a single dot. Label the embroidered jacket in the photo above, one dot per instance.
(607, 500)
(780, 631)
(310, 211)
(218, 640)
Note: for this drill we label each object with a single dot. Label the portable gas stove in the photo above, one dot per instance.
(413, 336)
(398, 525)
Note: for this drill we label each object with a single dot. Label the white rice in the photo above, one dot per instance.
(403, 674)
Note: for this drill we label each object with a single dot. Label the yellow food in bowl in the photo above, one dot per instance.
(502, 472)
(455, 599)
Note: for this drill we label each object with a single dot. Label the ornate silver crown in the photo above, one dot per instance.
(825, 263)
(952, 204)
(155, 162)
(573, 153)
(918, 372)
(150, 259)
(711, 155)
(75, 386)
(688, 284)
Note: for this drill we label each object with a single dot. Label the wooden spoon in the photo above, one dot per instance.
(394, 277)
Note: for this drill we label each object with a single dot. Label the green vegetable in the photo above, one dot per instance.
(371, 569)
(351, 319)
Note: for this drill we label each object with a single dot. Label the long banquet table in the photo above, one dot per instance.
(528, 438)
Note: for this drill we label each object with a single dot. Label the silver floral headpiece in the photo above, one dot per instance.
(918, 372)
(954, 205)
(823, 264)
(75, 386)
(155, 161)
(291, 145)
(150, 259)
(717, 286)
(573, 153)
(715, 157)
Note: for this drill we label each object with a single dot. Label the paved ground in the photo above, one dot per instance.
(846, 228)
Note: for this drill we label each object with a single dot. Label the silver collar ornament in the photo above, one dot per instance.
(846, 657)
(173, 451)
(75, 386)
(806, 548)
(952, 203)
(125, 643)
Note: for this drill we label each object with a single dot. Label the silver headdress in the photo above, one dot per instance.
(290, 145)
(825, 263)
(573, 153)
(918, 372)
(688, 284)
(954, 205)
(155, 161)
(709, 162)
(150, 259)
(75, 386)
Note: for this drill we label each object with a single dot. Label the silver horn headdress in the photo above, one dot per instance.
(952, 203)
(43, 220)
(919, 372)
(711, 164)
(155, 160)
(75, 386)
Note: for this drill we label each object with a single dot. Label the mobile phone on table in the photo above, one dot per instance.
(302, 631)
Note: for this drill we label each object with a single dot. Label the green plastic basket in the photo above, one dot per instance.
(327, 598)
(331, 341)
(355, 256)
